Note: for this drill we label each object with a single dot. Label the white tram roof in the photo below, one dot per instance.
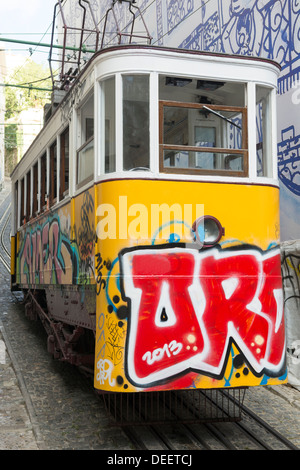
(129, 58)
(161, 60)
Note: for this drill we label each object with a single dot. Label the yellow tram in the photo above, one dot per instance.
(146, 222)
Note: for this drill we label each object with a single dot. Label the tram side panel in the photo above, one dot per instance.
(44, 250)
(58, 247)
(173, 316)
(169, 315)
(55, 253)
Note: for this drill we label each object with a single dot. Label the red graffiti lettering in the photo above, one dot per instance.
(165, 308)
(188, 306)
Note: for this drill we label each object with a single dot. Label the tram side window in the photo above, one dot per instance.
(64, 164)
(203, 127)
(263, 131)
(136, 153)
(43, 182)
(28, 195)
(85, 153)
(16, 204)
(22, 207)
(35, 190)
(53, 173)
(109, 123)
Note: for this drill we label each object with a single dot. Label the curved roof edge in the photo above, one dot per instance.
(185, 51)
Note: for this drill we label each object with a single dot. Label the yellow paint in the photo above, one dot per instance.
(83, 230)
(124, 214)
(249, 214)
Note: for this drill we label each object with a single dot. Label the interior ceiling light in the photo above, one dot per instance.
(209, 85)
(177, 81)
(208, 230)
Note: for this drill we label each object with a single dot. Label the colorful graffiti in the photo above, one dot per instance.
(187, 307)
(60, 247)
(83, 237)
(46, 256)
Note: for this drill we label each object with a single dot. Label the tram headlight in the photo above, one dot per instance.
(208, 230)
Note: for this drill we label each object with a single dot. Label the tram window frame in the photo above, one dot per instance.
(53, 173)
(64, 182)
(43, 183)
(22, 201)
(28, 195)
(108, 123)
(86, 149)
(35, 190)
(190, 150)
(136, 131)
(16, 206)
(263, 109)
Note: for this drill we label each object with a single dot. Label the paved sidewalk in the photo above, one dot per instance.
(16, 422)
(16, 427)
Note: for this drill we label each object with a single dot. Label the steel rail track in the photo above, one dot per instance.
(197, 441)
(264, 424)
(250, 432)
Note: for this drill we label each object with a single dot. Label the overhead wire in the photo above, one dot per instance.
(44, 34)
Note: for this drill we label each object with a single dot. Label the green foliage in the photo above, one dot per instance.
(19, 99)
(10, 141)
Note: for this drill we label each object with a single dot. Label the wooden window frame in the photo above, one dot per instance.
(187, 148)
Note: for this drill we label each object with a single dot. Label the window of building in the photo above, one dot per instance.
(85, 153)
(64, 164)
